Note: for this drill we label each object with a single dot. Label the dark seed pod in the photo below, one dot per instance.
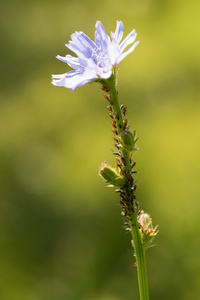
(133, 165)
(111, 116)
(111, 103)
(117, 116)
(134, 188)
(125, 122)
(123, 161)
(120, 166)
(106, 96)
(115, 131)
(117, 154)
(124, 111)
(104, 88)
(118, 146)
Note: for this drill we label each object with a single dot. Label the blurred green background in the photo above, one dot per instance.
(62, 234)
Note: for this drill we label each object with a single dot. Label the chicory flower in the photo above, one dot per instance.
(95, 60)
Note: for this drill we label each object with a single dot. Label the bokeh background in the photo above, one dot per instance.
(61, 232)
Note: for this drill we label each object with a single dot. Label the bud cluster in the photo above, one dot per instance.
(121, 176)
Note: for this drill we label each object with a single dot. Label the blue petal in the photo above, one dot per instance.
(72, 82)
(128, 40)
(113, 52)
(58, 80)
(74, 62)
(81, 44)
(101, 37)
(84, 42)
(87, 42)
(119, 32)
(73, 79)
(79, 52)
(123, 55)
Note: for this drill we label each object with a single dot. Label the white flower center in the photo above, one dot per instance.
(101, 59)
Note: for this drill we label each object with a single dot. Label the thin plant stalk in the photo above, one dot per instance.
(127, 190)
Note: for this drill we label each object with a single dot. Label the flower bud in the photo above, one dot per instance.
(128, 140)
(147, 232)
(111, 175)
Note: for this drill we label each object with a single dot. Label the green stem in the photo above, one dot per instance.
(140, 259)
(138, 246)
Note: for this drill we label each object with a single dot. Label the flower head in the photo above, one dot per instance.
(95, 60)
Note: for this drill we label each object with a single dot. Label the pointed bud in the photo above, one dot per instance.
(146, 229)
(128, 140)
(111, 175)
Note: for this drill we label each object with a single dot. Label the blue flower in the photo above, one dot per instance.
(95, 60)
